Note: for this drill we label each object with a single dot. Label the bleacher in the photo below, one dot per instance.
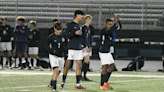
(43, 12)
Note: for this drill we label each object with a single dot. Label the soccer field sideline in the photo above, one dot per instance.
(96, 74)
(81, 83)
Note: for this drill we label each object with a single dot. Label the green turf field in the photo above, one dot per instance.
(38, 83)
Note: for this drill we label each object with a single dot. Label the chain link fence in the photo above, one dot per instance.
(133, 15)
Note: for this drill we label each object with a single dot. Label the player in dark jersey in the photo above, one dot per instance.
(74, 32)
(5, 42)
(86, 44)
(56, 46)
(51, 29)
(104, 52)
(21, 35)
(33, 39)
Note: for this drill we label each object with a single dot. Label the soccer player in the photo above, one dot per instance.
(86, 44)
(104, 52)
(5, 34)
(51, 29)
(21, 34)
(56, 45)
(33, 39)
(74, 32)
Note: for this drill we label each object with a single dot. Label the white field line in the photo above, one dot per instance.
(114, 75)
(81, 83)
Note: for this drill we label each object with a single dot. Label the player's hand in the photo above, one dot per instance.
(16, 30)
(30, 36)
(22, 31)
(90, 49)
(4, 33)
(116, 19)
(78, 32)
(84, 50)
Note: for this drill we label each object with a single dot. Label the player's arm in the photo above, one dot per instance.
(9, 32)
(118, 26)
(84, 42)
(25, 32)
(16, 31)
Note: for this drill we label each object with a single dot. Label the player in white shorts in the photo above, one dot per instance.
(33, 39)
(86, 40)
(104, 52)
(74, 32)
(56, 46)
(5, 42)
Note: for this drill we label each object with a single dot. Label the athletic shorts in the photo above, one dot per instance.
(106, 58)
(5, 46)
(56, 61)
(33, 50)
(85, 53)
(21, 47)
(75, 55)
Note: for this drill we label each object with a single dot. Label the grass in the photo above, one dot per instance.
(38, 83)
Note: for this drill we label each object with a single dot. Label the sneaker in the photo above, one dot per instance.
(54, 90)
(107, 85)
(86, 79)
(62, 86)
(79, 87)
(41, 69)
(20, 68)
(10, 67)
(28, 68)
(1, 67)
(49, 69)
(32, 68)
(103, 87)
(90, 70)
(49, 85)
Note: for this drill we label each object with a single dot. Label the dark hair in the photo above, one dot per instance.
(108, 20)
(58, 25)
(21, 18)
(54, 20)
(3, 18)
(78, 12)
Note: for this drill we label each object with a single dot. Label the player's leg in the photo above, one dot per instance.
(1, 61)
(85, 67)
(65, 71)
(103, 77)
(9, 54)
(20, 60)
(109, 71)
(24, 50)
(54, 78)
(32, 60)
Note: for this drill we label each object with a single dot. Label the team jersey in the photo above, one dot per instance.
(57, 44)
(106, 39)
(51, 30)
(21, 36)
(5, 30)
(35, 38)
(74, 40)
(86, 36)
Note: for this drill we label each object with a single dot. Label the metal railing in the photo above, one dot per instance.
(133, 15)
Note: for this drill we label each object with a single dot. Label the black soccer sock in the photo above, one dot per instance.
(85, 68)
(78, 79)
(51, 82)
(10, 61)
(107, 76)
(38, 62)
(32, 62)
(27, 63)
(54, 82)
(20, 62)
(1, 61)
(103, 78)
(64, 78)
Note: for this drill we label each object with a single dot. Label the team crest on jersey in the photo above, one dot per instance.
(34, 33)
(55, 40)
(63, 39)
(7, 28)
(74, 27)
(23, 27)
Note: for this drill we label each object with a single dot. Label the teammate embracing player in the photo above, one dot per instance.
(104, 52)
(86, 44)
(74, 32)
